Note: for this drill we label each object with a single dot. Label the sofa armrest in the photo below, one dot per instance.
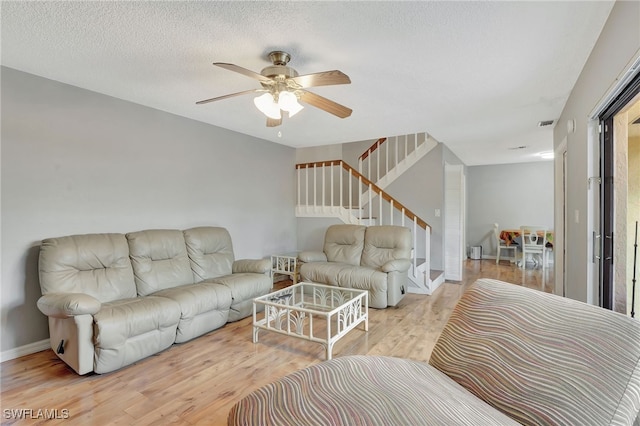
(257, 266)
(312, 256)
(399, 265)
(65, 305)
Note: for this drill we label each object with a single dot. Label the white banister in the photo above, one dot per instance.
(298, 173)
(415, 244)
(315, 187)
(332, 187)
(370, 203)
(390, 211)
(341, 199)
(360, 198)
(324, 192)
(378, 165)
(386, 170)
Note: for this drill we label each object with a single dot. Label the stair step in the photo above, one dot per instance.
(434, 274)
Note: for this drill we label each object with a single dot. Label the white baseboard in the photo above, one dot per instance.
(29, 349)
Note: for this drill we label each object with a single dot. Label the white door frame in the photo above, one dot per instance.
(560, 219)
(454, 221)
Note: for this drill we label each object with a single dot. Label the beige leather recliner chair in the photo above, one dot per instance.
(374, 258)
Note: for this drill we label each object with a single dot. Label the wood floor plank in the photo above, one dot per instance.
(197, 382)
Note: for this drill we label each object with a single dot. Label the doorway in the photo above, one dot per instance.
(618, 197)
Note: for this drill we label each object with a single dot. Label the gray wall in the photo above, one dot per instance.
(616, 48)
(75, 161)
(421, 190)
(311, 230)
(510, 195)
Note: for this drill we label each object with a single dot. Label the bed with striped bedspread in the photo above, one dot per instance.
(507, 355)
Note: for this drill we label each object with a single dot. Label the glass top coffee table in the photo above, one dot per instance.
(315, 312)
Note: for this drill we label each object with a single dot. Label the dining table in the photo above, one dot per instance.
(509, 236)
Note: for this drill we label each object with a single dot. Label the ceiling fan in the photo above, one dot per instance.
(282, 88)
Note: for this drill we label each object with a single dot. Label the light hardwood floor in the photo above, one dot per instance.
(197, 382)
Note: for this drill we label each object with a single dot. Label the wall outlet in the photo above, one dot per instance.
(437, 212)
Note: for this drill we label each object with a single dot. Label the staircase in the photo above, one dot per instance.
(388, 158)
(336, 189)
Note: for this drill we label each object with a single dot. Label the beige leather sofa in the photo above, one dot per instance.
(113, 299)
(374, 258)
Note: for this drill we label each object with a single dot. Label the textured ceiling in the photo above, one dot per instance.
(478, 76)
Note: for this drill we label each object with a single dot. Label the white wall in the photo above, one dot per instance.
(511, 195)
(616, 49)
(75, 161)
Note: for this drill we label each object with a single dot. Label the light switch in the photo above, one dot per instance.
(437, 212)
(576, 215)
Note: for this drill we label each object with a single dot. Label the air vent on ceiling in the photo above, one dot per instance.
(518, 147)
(545, 123)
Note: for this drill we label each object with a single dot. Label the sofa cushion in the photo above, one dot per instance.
(210, 252)
(245, 286)
(541, 358)
(93, 264)
(159, 259)
(344, 243)
(385, 243)
(344, 275)
(131, 329)
(364, 390)
(203, 307)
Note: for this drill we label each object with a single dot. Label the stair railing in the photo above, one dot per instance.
(334, 188)
(386, 153)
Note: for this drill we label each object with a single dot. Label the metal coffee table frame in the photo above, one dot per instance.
(295, 310)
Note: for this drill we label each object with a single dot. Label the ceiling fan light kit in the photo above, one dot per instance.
(267, 105)
(284, 87)
(289, 102)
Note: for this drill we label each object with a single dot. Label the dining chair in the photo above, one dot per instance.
(534, 243)
(502, 245)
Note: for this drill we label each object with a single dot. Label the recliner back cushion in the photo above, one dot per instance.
(344, 243)
(94, 264)
(385, 243)
(210, 252)
(159, 259)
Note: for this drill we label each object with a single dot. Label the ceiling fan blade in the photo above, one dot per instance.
(273, 122)
(243, 71)
(325, 78)
(325, 104)
(231, 95)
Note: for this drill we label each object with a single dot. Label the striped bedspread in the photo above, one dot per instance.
(542, 359)
(364, 390)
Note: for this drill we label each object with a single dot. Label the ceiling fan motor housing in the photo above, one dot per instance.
(279, 68)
